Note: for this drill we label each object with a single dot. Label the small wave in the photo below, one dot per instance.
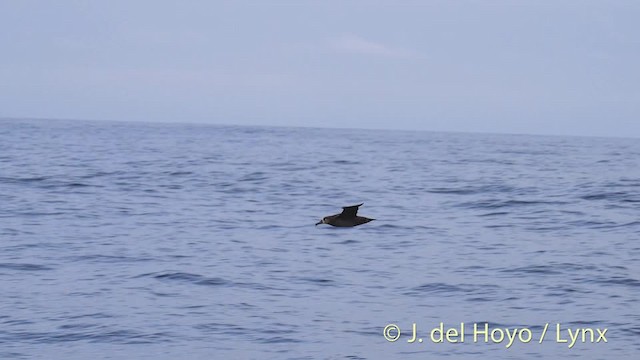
(75, 326)
(180, 173)
(171, 186)
(16, 321)
(13, 355)
(499, 226)
(317, 281)
(601, 196)
(611, 225)
(470, 190)
(273, 226)
(348, 242)
(18, 180)
(616, 280)
(254, 177)
(98, 315)
(47, 182)
(574, 267)
(481, 299)
(534, 269)
(496, 213)
(612, 196)
(436, 288)
(91, 333)
(100, 174)
(590, 224)
(564, 291)
(37, 213)
(633, 223)
(388, 227)
(223, 328)
(24, 267)
(497, 204)
(344, 162)
(633, 330)
(625, 182)
(292, 166)
(75, 184)
(277, 340)
(356, 357)
(449, 290)
(188, 278)
(98, 258)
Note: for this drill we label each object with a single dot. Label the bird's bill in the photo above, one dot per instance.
(319, 222)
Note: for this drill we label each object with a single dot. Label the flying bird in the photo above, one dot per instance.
(347, 218)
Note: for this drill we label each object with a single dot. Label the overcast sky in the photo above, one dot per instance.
(538, 67)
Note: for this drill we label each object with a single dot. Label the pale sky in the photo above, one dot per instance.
(536, 67)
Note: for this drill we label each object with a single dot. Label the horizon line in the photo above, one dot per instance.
(196, 122)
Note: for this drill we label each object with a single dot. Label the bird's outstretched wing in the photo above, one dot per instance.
(350, 211)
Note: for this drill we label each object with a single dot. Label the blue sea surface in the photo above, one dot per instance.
(173, 241)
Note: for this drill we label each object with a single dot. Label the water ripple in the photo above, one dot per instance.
(183, 277)
(24, 267)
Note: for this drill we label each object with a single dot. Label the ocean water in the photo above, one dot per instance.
(173, 241)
